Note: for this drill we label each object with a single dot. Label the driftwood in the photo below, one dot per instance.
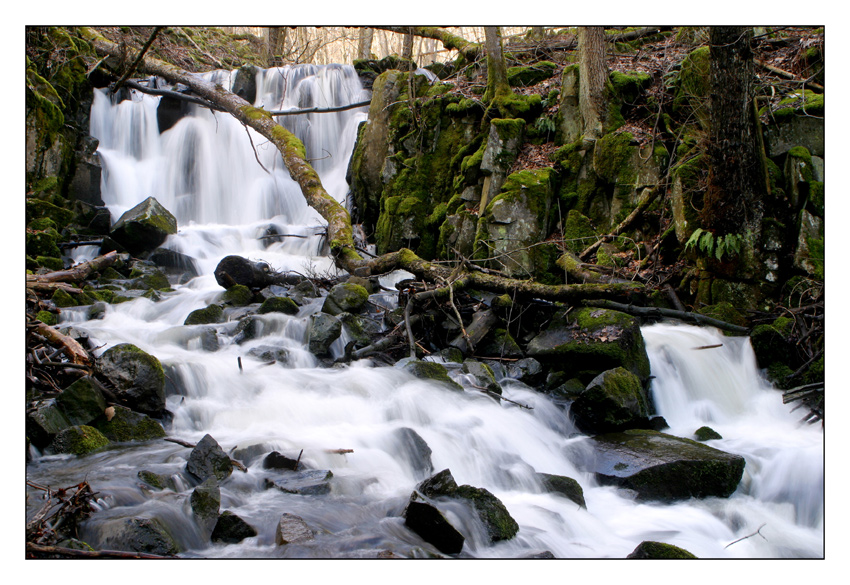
(69, 345)
(75, 274)
(658, 313)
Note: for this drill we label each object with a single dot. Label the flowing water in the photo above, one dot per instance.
(205, 170)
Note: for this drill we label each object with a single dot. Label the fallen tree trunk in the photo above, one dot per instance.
(75, 273)
(69, 345)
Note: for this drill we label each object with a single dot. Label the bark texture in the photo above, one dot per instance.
(593, 75)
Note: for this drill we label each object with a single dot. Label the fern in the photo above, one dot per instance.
(717, 246)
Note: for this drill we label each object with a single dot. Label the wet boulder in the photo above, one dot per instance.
(661, 467)
(613, 401)
(439, 484)
(292, 529)
(78, 440)
(423, 518)
(482, 374)
(237, 296)
(283, 305)
(205, 502)
(121, 424)
(498, 522)
(322, 331)
(81, 402)
(144, 227)
(135, 534)
(231, 529)
(431, 371)
(345, 297)
(174, 263)
(157, 481)
(233, 270)
(410, 447)
(589, 341)
(275, 460)
(563, 485)
(208, 459)
(136, 376)
(649, 549)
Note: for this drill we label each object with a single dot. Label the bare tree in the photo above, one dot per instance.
(593, 75)
(497, 69)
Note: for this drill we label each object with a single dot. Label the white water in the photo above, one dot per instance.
(223, 200)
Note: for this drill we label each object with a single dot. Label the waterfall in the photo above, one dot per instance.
(205, 170)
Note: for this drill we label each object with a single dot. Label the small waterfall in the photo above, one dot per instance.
(205, 170)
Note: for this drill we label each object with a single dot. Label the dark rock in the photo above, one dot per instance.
(413, 449)
(85, 185)
(175, 263)
(269, 354)
(144, 227)
(564, 485)
(126, 425)
(157, 481)
(137, 376)
(247, 329)
(292, 529)
(81, 402)
(275, 460)
(231, 529)
(439, 484)
(313, 482)
(657, 423)
(44, 420)
(238, 296)
(428, 522)
(659, 550)
(499, 523)
(78, 440)
(322, 331)
(706, 434)
(245, 83)
(662, 467)
(205, 502)
(137, 534)
(170, 111)
(208, 459)
(613, 401)
(233, 270)
(345, 298)
(590, 341)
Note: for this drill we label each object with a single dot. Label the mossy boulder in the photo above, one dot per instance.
(613, 401)
(137, 377)
(238, 296)
(498, 522)
(81, 402)
(706, 434)
(661, 467)
(278, 305)
(345, 297)
(144, 227)
(156, 480)
(79, 440)
(693, 85)
(47, 317)
(209, 314)
(528, 75)
(649, 549)
(124, 424)
(482, 374)
(771, 342)
(43, 243)
(563, 485)
(589, 341)
(205, 502)
(208, 459)
(432, 371)
(322, 331)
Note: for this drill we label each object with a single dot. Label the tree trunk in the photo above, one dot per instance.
(275, 43)
(407, 45)
(732, 200)
(364, 45)
(497, 69)
(593, 76)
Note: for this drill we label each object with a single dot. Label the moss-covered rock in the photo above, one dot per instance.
(322, 331)
(125, 425)
(613, 401)
(209, 314)
(706, 434)
(238, 296)
(497, 520)
(662, 467)
(206, 502)
(144, 227)
(44, 420)
(137, 377)
(208, 459)
(81, 402)
(589, 341)
(432, 371)
(47, 317)
(528, 75)
(563, 485)
(693, 85)
(278, 305)
(79, 440)
(649, 549)
(345, 297)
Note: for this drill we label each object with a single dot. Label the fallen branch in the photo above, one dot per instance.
(658, 313)
(74, 274)
(69, 345)
(748, 536)
(786, 74)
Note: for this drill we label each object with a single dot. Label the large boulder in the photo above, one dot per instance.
(589, 341)
(233, 270)
(44, 420)
(345, 297)
(491, 511)
(613, 401)
(121, 424)
(144, 227)
(231, 529)
(136, 376)
(208, 459)
(81, 402)
(136, 534)
(662, 467)
(78, 440)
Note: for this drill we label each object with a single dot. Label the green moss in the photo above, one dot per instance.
(725, 312)
(706, 434)
(578, 231)
(61, 298)
(803, 104)
(209, 314)
(612, 157)
(660, 550)
(278, 305)
(528, 75)
(46, 317)
(239, 295)
(432, 371)
(79, 440)
(126, 425)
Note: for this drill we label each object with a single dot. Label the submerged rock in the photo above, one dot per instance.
(432, 371)
(137, 534)
(662, 467)
(312, 482)
(563, 485)
(322, 331)
(413, 449)
(205, 502)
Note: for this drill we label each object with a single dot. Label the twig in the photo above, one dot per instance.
(708, 346)
(748, 536)
(256, 156)
(138, 60)
(500, 397)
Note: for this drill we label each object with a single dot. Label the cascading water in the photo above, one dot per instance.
(205, 170)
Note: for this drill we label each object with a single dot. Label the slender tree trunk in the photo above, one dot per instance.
(364, 46)
(593, 75)
(407, 45)
(497, 69)
(733, 198)
(275, 42)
